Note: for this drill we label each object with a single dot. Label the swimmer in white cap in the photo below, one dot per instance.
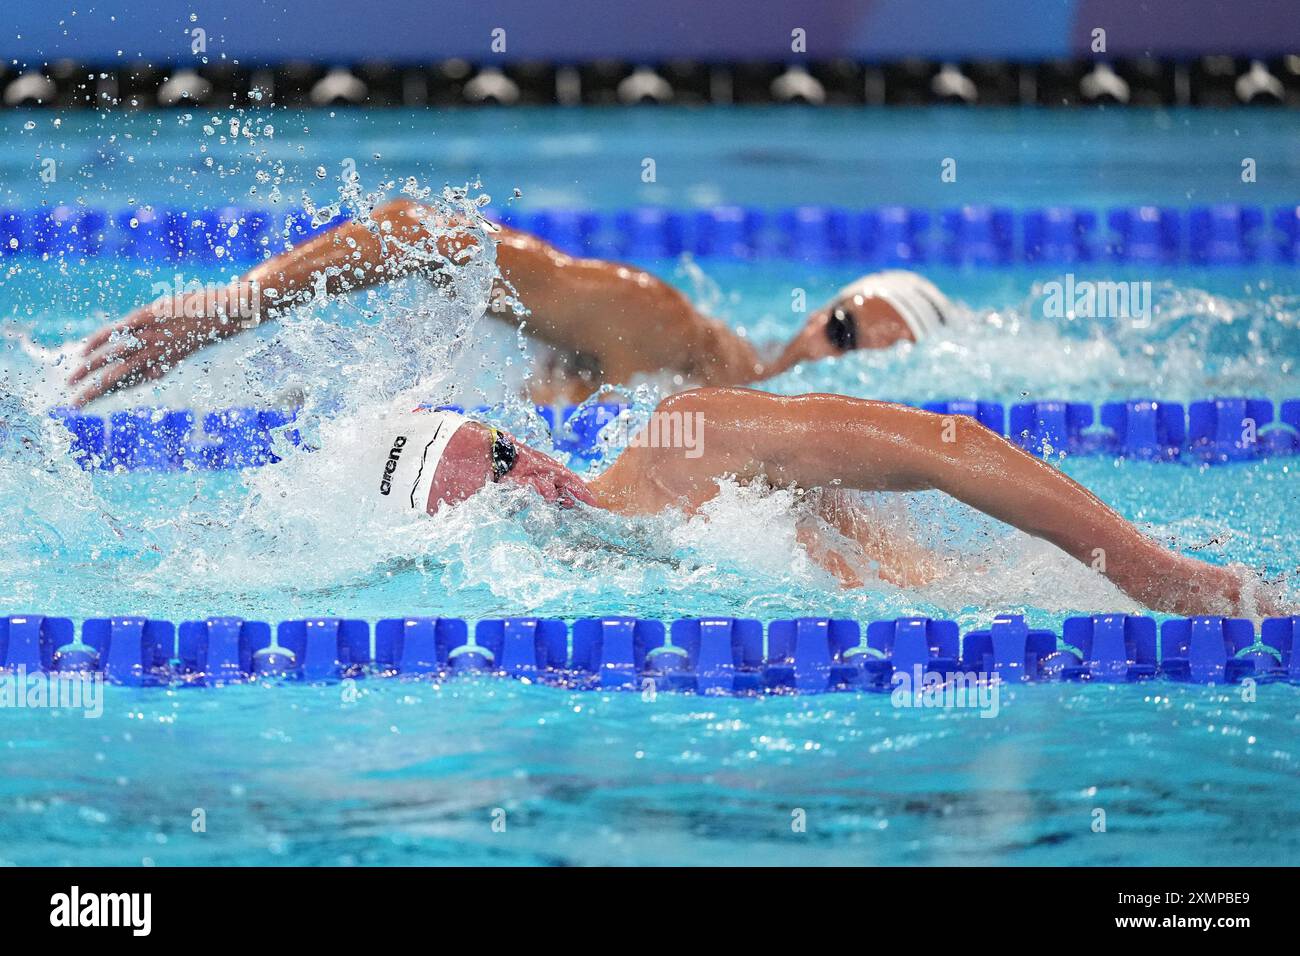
(428, 458)
(603, 322)
(822, 445)
(875, 312)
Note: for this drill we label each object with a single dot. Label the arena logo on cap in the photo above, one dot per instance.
(390, 466)
(1085, 299)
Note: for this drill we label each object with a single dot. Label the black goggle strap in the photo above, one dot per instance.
(504, 453)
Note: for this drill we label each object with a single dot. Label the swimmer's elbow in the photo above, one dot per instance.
(421, 227)
(940, 451)
(401, 217)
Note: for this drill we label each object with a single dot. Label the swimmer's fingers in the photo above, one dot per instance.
(149, 338)
(115, 341)
(116, 352)
(129, 364)
(135, 322)
(122, 375)
(1271, 602)
(101, 338)
(150, 354)
(154, 363)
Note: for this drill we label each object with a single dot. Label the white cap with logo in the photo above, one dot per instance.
(915, 298)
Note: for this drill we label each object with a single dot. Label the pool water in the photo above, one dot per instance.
(418, 774)
(411, 772)
(593, 158)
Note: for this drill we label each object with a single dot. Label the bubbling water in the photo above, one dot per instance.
(1194, 344)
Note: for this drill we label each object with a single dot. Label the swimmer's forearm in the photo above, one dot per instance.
(396, 242)
(972, 464)
(399, 238)
(1036, 498)
(1015, 487)
(831, 440)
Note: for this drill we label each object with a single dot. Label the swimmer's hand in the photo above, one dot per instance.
(1166, 580)
(356, 255)
(150, 341)
(1260, 598)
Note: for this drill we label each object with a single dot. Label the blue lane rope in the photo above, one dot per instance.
(719, 655)
(1210, 431)
(886, 236)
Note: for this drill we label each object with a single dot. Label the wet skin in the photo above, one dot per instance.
(823, 441)
(610, 322)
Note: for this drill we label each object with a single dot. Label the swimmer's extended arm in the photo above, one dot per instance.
(148, 342)
(625, 319)
(829, 441)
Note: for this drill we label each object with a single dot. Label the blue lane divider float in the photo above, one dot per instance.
(718, 655)
(229, 234)
(980, 236)
(163, 439)
(1212, 431)
(1116, 647)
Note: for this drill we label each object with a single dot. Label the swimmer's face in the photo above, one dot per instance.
(861, 322)
(846, 324)
(466, 467)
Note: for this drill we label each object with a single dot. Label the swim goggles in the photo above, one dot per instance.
(842, 329)
(504, 453)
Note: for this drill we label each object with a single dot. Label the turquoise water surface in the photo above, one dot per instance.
(412, 772)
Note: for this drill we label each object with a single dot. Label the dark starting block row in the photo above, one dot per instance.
(706, 655)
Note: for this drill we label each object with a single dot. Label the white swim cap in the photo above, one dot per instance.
(409, 450)
(915, 298)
